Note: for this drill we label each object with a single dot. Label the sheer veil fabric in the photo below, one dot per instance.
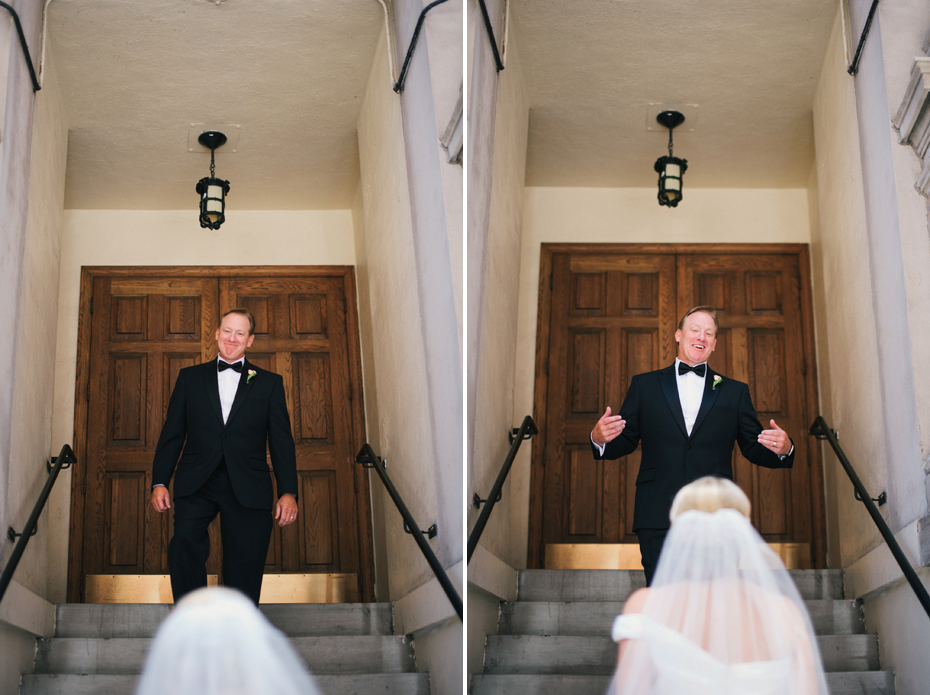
(722, 616)
(216, 642)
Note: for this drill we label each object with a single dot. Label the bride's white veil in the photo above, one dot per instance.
(720, 587)
(216, 642)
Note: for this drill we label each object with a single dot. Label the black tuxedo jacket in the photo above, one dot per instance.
(670, 458)
(195, 422)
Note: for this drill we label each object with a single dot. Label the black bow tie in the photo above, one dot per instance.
(221, 365)
(700, 369)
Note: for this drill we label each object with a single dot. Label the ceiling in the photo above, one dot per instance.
(135, 75)
(593, 67)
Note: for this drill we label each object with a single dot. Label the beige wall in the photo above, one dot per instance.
(31, 443)
(168, 237)
(611, 215)
(849, 356)
(403, 422)
(494, 414)
(23, 614)
(400, 418)
(443, 31)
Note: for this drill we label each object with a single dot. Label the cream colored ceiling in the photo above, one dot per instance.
(136, 74)
(593, 66)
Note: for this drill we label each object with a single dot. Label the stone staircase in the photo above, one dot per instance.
(556, 637)
(349, 648)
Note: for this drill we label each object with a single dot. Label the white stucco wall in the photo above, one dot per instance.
(854, 307)
(431, 90)
(632, 215)
(15, 163)
(168, 237)
(494, 413)
(30, 442)
(401, 371)
(398, 352)
(844, 303)
(24, 612)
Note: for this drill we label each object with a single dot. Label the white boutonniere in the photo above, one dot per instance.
(717, 381)
(252, 373)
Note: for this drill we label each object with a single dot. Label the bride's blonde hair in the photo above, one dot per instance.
(709, 494)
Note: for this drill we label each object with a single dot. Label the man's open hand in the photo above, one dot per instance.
(286, 511)
(161, 500)
(607, 428)
(775, 439)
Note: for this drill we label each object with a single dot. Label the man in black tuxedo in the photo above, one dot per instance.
(687, 417)
(222, 413)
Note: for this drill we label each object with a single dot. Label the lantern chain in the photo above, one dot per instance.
(670, 142)
(212, 165)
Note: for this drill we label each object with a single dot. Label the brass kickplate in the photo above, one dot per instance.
(593, 556)
(276, 588)
(625, 556)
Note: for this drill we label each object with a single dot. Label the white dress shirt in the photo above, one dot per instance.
(228, 381)
(690, 393)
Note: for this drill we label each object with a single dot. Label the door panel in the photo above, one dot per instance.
(761, 344)
(607, 314)
(303, 329)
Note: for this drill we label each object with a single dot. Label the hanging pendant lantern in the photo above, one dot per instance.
(671, 169)
(212, 190)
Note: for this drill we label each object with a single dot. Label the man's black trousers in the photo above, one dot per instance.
(650, 547)
(245, 533)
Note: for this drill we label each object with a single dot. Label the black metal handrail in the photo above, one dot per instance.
(368, 458)
(64, 460)
(821, 430)
(487, 25)
(401, 81)
(525, 431)
(22, 42)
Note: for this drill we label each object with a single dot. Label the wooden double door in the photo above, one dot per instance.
(608, 312)
(141, 326)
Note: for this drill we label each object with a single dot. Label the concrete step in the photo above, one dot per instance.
(294, 620)
(534, 654)
(617, 585)
(839, 683)
(356, 684)
(596, 617)
(126, 655)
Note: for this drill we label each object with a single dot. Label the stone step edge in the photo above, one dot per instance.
(601, 653)
(110, 620)
(480, 681)
(39, 683)
(519, 611)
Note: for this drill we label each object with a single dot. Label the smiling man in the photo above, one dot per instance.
(223, 414)
(687, 417)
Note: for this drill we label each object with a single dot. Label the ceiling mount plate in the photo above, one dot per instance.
(231, 131)
(689, 111)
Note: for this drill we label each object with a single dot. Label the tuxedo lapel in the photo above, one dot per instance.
(212, 385)
(242, 392)
(707, 402)
(670, 389)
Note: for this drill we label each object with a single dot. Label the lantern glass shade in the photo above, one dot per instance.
(212, 202)
(670, 170)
